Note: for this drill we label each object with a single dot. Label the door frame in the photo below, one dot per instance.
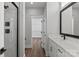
(17, 27)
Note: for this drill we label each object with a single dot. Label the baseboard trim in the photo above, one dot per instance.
(36, 37)
(28, 48)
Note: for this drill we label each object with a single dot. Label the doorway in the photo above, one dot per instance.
(34, 16)
(36, 26)
(37, 50)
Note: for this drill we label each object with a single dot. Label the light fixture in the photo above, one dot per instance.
(32, 3)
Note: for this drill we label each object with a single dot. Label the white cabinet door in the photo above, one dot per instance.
(61, 52)
(52, 49)
(46, 46)
(56, 51)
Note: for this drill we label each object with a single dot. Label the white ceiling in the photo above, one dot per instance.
(36, 4)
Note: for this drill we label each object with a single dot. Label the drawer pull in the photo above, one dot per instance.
(60, 51)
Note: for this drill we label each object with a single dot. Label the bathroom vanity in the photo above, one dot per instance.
(58, 47)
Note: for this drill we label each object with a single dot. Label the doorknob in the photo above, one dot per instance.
(2, 50)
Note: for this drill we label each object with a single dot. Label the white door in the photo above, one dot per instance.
(1, 27)
(10, 36)
(36, 26)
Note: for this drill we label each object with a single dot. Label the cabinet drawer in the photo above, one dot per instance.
(62, 53)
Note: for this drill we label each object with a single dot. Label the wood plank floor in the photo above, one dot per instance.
(36, 50)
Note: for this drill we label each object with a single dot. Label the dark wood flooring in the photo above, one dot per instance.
(36, 50)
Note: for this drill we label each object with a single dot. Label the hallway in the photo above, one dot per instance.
(36, 50)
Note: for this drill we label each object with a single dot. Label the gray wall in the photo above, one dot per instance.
(31, 12)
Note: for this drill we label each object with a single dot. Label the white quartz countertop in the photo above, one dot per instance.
(70, 45)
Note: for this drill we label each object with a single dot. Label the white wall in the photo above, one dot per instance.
(53, 17)
(63, 4)
(31, 12)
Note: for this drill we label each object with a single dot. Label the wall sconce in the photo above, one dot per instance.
(6, 7)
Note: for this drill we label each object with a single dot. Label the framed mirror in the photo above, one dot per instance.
(69, 20)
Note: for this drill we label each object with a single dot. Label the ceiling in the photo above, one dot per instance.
(36, 4)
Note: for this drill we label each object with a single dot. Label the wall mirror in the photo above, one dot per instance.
(69, 20)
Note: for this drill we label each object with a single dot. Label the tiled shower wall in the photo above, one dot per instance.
(1, 25)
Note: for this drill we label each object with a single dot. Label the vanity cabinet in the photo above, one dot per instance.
(45, 44)
(52, 50)
(57, 51)
(62, 53)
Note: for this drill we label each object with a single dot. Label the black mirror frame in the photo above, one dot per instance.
(66, 34)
